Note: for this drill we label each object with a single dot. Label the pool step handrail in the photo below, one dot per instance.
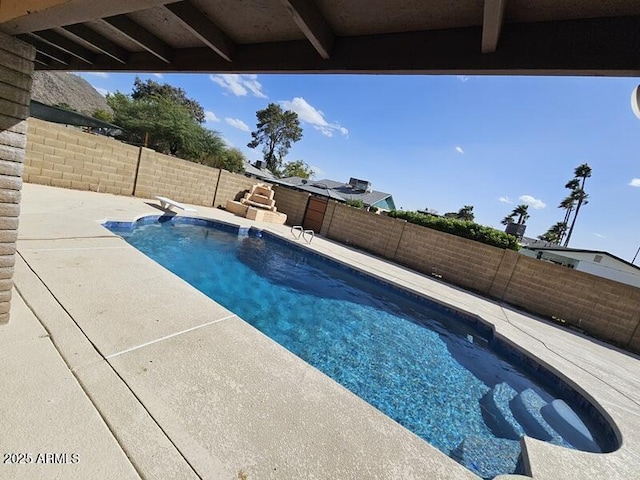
(299, 232)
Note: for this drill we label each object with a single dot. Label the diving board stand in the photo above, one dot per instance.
(167, 204)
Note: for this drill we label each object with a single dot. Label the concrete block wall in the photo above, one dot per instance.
(457, 260)
(606, 309)
(375, 233)
(292, 202)
(69, 158)
(16, 68)
(232, 186)
(603, 308)
(178, 179)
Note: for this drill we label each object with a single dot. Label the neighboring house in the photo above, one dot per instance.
(595, 262)
(354, 190)
(258, 170)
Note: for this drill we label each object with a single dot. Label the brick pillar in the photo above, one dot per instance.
(16, 67)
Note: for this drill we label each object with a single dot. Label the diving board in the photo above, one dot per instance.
(167, 203)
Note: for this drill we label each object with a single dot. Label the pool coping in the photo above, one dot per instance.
(510, 325)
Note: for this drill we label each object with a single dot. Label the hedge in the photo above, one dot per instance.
(461, 228)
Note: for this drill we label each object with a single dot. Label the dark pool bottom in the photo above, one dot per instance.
(435, 371)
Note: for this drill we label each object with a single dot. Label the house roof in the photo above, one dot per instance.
(564, 250)
(258, 172)
(336, 190)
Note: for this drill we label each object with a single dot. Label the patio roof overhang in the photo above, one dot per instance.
(550, 37)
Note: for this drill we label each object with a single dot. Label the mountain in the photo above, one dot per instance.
(61, 87)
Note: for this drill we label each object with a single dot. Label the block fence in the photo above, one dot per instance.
(16, 67)
(59, 156)
(69, 158)
(603, 308)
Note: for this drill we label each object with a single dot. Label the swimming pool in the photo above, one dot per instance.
(433, 371)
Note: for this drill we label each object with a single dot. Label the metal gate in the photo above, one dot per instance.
(314, 215)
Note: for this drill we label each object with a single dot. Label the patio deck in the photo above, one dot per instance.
(111, 357)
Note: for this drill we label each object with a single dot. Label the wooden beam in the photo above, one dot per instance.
(492, 24)
(41, 59)
(66, 45)
(140, 36)
(203, 28)
(98, 42)
(594, 46)
(311, 22)
(46, 49)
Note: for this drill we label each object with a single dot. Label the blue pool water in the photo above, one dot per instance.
(430, 370)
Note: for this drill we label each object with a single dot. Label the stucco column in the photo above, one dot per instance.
(16, 67)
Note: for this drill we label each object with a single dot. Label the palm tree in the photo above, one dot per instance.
(507, 220)
(568, 204)
(583, 172)
(555, 233)
(522, 212)
(466, 213)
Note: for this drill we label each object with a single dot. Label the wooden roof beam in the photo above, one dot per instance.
(45, 50)
(63, 43)
(140, 36)
(313, 24)
(203, 28)
(98, 42)
(492, 21)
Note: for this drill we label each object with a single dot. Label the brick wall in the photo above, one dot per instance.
(603, 308)
(292, 202)
(178, 179)
(457, 260)
(232, 186)
(16, 67)
(375, 233)
(67, 157)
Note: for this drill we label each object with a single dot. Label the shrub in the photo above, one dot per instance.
(460, 228)
(355, 203)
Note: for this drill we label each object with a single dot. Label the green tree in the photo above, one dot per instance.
(581, 173)
(466, 213)
(521, 211)
(296, 169)
(163, 125)
(103, 115)
(230, 159)
(150, 90)
(555, 233)
(508, 219)
(276, 131)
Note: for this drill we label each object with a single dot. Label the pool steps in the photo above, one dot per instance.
(497, 412)
(488, 457)
(511, 415)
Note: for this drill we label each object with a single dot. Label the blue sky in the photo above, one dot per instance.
(446, 141)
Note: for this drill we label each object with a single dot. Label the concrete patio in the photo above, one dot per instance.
(112, 358)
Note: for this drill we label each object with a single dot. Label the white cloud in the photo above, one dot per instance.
(158, 75)
(533, 202)
(635, 182)
(599, 236)
(97, 74)
(459, 149)
(239, 84)
(102, 91)
(463, 78)
(314, 117)
(209, 117)
(236, 123)
(505, 200)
